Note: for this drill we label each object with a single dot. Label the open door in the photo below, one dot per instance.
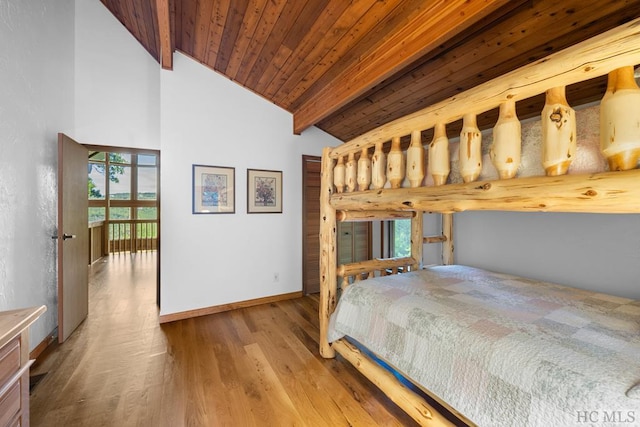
(73, 236)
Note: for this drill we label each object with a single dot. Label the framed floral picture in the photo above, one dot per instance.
(213, 189)
(264, 191)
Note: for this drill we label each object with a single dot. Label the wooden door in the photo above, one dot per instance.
(354, 242)
(311, 224)
(73, 236)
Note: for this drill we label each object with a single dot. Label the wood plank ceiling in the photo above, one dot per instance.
(350, 66)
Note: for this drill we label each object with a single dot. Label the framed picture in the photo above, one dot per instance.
(213, 189)
(264, 191)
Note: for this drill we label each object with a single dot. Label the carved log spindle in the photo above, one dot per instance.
(338, 175)
(559, 133)
(415, 160)
(395, 164)
(507, 141)
(378, 167)
(470, 153)
(364, 170)
(439, 155)
(620, 120)
(351, 172)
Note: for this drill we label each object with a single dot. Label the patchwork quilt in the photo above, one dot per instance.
(502, 350)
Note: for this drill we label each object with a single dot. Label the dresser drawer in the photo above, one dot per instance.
(9, 360)
(10, 403)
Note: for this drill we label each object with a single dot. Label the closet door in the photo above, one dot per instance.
(354, 242)
(311, 224)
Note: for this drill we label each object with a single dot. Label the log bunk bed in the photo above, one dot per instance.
(359, 185)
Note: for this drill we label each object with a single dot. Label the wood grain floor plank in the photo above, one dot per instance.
(257, 366)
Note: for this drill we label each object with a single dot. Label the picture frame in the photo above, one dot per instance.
(264, 191)
(213, 190)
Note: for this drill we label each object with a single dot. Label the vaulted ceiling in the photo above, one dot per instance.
(351, 66)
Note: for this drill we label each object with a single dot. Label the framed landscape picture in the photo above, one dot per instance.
(264, 191)
(213, 189)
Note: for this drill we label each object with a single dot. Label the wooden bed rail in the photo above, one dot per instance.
(366, 269)
(361, 216)
(434, 239)
(607, 192)
(414, 405)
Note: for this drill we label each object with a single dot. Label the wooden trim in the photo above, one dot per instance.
(606, 192)
(164, 34)
(414, 405)
(124, 204)
(166, 318)
(426, 30)
(120, 149)
(592, 58)
(46, 342)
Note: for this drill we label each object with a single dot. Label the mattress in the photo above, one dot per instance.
(500, 349)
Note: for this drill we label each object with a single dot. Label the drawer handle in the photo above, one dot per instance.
(15, 378)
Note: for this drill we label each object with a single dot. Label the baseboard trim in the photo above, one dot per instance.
(40, 348)
(166, 318)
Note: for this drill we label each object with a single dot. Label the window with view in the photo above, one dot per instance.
(400, 233)
(123, 192)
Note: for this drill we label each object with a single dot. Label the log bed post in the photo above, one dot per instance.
(417, 239)
(447, 245)
(328, 278)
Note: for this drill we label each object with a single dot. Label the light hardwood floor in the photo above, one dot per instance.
(250, 367)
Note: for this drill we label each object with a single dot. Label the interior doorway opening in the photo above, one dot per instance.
(123, 189)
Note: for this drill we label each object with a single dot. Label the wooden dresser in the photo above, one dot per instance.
(14, 365)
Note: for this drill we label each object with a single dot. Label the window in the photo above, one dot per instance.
(131, 182)
(96, 214)
(147, 183)
(97, 181)
(400, 237)
(119, 182)
(123, 192)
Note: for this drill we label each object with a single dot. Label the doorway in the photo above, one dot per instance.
(353, 238)
(124, 203)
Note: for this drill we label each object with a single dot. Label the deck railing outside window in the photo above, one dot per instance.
(133, 235)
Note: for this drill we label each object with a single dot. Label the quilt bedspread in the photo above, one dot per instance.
(500, 349)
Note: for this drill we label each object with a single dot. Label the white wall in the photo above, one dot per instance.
(36, 102)
(117, 83)
(209, 260)
(588, 251)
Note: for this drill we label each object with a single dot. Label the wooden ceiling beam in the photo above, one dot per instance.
(425, 32)
(164, 34)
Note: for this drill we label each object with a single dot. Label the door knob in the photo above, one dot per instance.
(66, 236)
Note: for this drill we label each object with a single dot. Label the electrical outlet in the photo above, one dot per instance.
(276, 277)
